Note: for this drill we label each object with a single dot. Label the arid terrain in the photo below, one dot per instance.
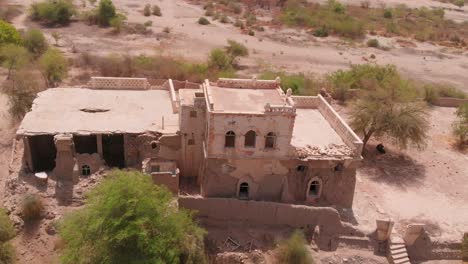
(427, 186)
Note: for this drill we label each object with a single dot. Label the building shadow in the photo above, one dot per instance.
(393, 168)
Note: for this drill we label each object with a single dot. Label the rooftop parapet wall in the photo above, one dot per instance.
(248, 83)
(110, 83)
(340, 126)
(305, 102)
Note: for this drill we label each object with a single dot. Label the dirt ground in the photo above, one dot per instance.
(280, 49)
(410, 186)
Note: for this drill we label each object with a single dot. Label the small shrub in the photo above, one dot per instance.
(117, 22)
(31, 207)
(459, 3)
(320, 32)
(106, 12)
(460, 130)
(224, 19)
(388, 13)
(156, 10)
(464, 249)
(235, 7)
(251, 32)
(236, 49)
(219, 60)
(203, 21)
(147, 10)
(148, 23)
(374, 43)
(239, 24)
(336, 6)
(35, 42)
(167, 30)
(54, 66)
(13, 58)
(294, 250)
(9, 34)
(53, 12)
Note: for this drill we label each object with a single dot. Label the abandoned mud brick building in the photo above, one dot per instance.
(234, 137)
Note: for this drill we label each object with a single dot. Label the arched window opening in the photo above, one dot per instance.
(250, 138)
(85, 170)
(230, 139)
(154, 145)
(301, 168)
(314, 188)
(244, 190)
(270, 140)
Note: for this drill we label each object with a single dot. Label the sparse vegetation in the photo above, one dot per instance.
(7, 232)
(422, 24)
(156, 10)
(432, 92)
(220, 60)
(300, 84)
(147, 10)
(374, 43)
(9, 34)
(53, 12)
(31, 207)
(105, 12)
(294, 250)
(203, 21)
(54, 66)
(35, 42)
(464, 249)
(13, 58)
(460, 130)
(146, 228)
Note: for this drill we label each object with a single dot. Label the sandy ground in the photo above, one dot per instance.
(417, 186)
(284, 49)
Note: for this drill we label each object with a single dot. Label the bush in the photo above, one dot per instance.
(31, 207)
(203, 21)
(388, 13)
(35, 42)
(298, 83)
(321, 32)
(464, 249)
(251, 32)
(157, 10)
(236, 49)
(374, 43)
(13, 58)
(9, 34)
(432, 92)
(53, 12)
(7, 232)
(21, 92)
(294, 250)
(147, 10)
(105, 12)
(54, 66)
(460, 129)
(219, 60)
(117, 23)
(459, 3)
(129, 219)
(224, 19)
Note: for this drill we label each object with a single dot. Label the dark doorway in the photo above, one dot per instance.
(244, 190)
(43, 152)
(113, 150)
(314, 188)
(85, 144)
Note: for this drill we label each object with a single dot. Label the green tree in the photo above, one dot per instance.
(13, 57)
(54, 66)
(460, 127)
(9, 34)
(389, 112)
(236, 49)
(106, 12)
(53, 12)
(219, 60)
(7, 232)
(128, 219)
(35, 42)
(294, 250)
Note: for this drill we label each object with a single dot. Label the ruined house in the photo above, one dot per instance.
(236, 138)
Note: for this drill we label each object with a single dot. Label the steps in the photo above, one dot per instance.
(398, 253)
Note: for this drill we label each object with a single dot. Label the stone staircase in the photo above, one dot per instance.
(397, 251)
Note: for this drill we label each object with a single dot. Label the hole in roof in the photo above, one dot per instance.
(94, 110)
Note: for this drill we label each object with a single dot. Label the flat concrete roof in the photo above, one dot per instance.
(241, 100)
(313, 133)
(82, 111)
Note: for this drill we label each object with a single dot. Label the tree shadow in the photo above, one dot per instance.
(393, 168)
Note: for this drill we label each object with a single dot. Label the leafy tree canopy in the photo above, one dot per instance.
(9, 34)
(128, 219)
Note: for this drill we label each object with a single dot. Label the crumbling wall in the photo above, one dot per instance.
(94, 161)
(326, 219)
(168, 179)
(279, 180)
